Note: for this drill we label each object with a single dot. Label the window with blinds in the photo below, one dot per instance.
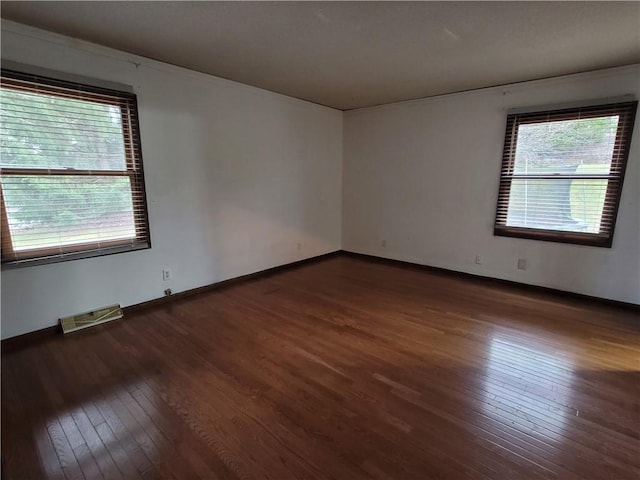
(562, 173)
(71, 175)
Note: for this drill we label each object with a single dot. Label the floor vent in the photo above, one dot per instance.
(89, 319)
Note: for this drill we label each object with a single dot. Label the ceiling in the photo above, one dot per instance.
(355, 54)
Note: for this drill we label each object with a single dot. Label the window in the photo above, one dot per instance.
(71, 171)
(562, 173)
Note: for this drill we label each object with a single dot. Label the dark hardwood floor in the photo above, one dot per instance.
(345, 369)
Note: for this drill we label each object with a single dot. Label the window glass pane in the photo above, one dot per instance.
(85, 209)
(573, 205)
(562, 147)
(46, 131)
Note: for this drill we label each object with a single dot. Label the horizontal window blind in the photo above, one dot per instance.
(71, 170)
(562, 173)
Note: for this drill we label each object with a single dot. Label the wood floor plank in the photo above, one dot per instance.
(31, 403)
(94, 443)
(20, 444)
(63, 449)
(342, 369)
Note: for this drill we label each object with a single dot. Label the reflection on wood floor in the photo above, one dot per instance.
(345, 368)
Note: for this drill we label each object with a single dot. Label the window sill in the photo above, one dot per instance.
(576, 238)
(65, 257)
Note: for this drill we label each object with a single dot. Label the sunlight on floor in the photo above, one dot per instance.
(528, 389)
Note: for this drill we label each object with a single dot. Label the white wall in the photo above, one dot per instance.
(423, 175)
(236, 177)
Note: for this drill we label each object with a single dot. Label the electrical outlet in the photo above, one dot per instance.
(299, 245)
(522, 264)
(166, 274)
(383, 243)
(478, 260)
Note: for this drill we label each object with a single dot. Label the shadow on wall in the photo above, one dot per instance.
(244, 177)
